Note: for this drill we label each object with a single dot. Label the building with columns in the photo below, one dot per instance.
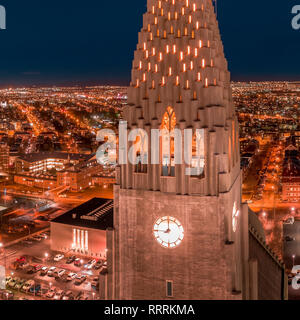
(180, 229)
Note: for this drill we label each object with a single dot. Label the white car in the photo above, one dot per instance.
(71, 276)
(91, 264)
(51, 271)
(58, 295)
(58, 257)
(59, 273)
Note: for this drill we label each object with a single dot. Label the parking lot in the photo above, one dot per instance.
(33, 271)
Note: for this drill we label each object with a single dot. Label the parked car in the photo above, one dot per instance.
(71, 259)
(71, 276)
(51, 271)
(21, 259)
(38, 267)
(58, 294)
(95, 283)
(19, 284)
(44, 271)
(98, 265)
(80, 279)
(13, 282)
(68, 296)
(35, 289)
(28, 284)
(30, 269)
(77, 262)
(59, 273)
(90, 264)
(7, 280)
(51, 293)
(58, 257)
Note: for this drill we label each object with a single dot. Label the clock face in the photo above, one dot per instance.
(235, 215)
(169, 232)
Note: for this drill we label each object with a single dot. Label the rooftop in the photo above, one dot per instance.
(33, 157)
(96, 213)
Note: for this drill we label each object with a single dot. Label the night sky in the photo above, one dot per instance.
(92, 42)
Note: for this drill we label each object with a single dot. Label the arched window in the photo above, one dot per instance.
(167, 143)
(198, 154)
(138, 154)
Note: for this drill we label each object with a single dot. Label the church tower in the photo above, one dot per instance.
(180, 230)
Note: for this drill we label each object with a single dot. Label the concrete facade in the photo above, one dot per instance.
(180, 72)
(62, 239)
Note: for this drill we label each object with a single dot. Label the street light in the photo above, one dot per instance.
(293, 256)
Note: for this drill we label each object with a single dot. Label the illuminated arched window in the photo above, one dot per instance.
(140, 151)
(198, 154)
(167, 143)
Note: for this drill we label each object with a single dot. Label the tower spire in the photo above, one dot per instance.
(186, 223)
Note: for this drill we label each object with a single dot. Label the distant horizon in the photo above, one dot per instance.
(82, 85)
(55, 43)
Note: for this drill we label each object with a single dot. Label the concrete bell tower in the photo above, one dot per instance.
(179, 235)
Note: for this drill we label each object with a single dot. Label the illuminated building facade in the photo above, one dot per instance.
(45, 161)
(82, 230)
(291, 175)
(4, 158)
(177, 235)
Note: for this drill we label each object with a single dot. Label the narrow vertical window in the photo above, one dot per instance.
(82, 240)
(86, 241)
(74, 238)
(169, 288)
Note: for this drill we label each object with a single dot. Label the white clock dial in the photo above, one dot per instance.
(235, 215)
(169, 232)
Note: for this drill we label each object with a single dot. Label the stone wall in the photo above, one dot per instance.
(270, 273)
(203, 266)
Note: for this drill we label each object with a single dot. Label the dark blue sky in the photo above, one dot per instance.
(92, 41)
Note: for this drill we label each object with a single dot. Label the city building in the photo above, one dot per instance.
(46, 161)
(291, 175)
(42, 181)
(80, 176)
(4, 158)
(82, 230)
(177, 236)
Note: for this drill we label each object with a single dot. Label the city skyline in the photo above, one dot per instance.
(58, 44)
(180, 183)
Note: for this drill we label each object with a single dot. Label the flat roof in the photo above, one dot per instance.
(96, 213)
(33, 157)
